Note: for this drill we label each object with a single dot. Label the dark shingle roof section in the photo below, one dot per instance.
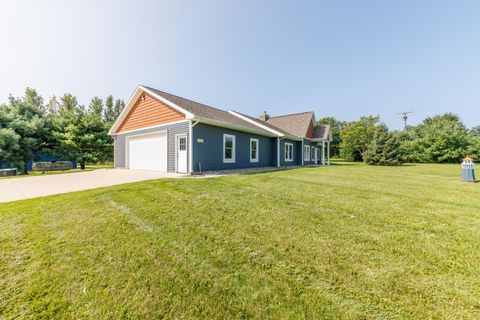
(204, 111)
(266, 124)
(297, 124)
(321, 132)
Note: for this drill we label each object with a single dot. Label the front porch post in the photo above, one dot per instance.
(328, 153)
(323, 152)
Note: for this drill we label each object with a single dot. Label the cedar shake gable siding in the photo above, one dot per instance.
(149, 112)
(310, 130)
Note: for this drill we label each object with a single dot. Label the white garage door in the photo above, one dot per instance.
(148, 152)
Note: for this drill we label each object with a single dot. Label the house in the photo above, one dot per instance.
(162, 132)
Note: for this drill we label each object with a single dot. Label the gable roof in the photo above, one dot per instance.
(267, 125)
(322, 131)
(292, 126)
(193, 111)
(296, 124)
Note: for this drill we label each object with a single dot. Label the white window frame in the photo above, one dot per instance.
(233, 148)
(257, 150)
(312, 153)
(290, 145)
(306, 153)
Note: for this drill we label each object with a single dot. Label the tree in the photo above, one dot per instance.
(109, 114)
(438, 139)
(33, 99)
(384, 149)
(68, 103)
(337, 127)
(474, 143)
(356, 136)
(27, 121)
(53, 107)
(96, 107)
(82, 136)
(119, 106)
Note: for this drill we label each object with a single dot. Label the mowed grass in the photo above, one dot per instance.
(341, 242)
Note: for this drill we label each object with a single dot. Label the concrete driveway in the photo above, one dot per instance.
(38, 186)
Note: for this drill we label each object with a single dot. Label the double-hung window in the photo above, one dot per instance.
(253, 150)
(313, 154)
(288, 152)
(306, 153)
(228, 148)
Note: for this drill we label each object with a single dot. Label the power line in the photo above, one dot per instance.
(405, 117)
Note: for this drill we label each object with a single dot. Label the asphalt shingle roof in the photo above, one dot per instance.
(321, 131)
(266, 124)
(207, 112)
(296, 124)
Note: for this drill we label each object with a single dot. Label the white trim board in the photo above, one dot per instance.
(226, 135)
(257, 153)
(133, 99)
(151, 127)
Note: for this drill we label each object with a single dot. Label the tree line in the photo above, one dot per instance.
(438, 139)
(61, 127)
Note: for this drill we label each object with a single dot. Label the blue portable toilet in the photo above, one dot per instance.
(468, 170)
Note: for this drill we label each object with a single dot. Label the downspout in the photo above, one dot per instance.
(278, 152)
(190, 138)
(302, 153)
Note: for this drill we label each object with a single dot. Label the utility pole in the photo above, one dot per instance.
(405, 117)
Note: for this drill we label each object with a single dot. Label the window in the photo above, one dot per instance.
(182, 144)
(306, 153)
(288, 152)
(313, 155)
(228, 148)
(253, 150)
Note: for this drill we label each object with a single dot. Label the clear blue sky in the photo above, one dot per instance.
(337, 58)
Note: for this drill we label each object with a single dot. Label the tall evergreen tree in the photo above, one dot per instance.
(33, 99)
(31, 127)
(96, 107)
(119, 106)
(109, 115)
(82, 136)
(52, 107)
(384, 149)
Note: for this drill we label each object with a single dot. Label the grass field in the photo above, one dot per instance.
(347, 241)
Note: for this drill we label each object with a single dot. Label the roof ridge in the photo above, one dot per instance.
(176, 96)
(291, 114)
(261, 122)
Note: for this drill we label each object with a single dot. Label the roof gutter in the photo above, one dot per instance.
(228, 125)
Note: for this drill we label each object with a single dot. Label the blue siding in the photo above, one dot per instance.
(209, 153)
(296, 153)
(319, 152)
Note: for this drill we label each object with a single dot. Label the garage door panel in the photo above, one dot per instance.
(148, 152)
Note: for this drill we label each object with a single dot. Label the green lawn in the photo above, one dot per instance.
(346, 241)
